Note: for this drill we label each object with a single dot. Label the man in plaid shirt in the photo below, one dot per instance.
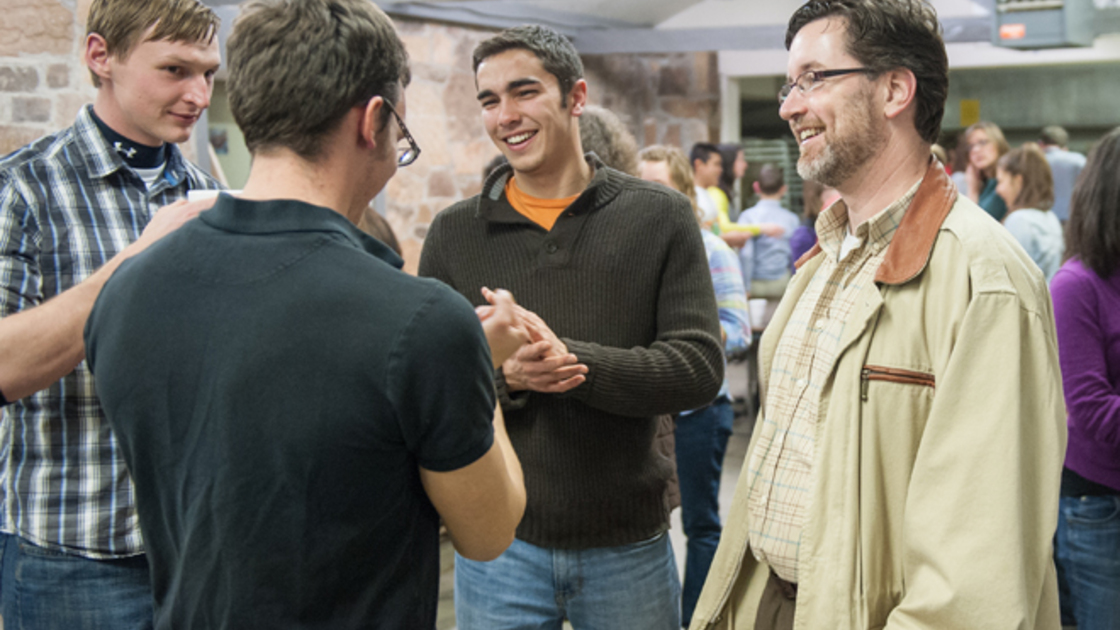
(73, 206)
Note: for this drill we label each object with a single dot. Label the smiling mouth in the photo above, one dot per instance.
(520, 139)
(806, 134)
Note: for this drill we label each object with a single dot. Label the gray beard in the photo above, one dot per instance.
(845, 156)
(842, 159)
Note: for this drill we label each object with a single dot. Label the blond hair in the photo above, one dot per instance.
(680, 172)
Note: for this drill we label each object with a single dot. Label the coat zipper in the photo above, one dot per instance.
(892, 375)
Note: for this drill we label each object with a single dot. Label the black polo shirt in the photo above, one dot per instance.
(276, 382)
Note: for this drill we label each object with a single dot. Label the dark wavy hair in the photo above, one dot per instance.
(558, 56)
(1093, 230)
(888, 34)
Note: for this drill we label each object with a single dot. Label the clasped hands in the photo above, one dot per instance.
(531, 356)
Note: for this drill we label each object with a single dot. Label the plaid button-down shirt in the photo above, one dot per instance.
(69, 203)
(781, 463)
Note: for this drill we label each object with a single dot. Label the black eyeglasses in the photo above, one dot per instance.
(811, 79)
(405, 155)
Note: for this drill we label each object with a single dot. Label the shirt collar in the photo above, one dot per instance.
(917, 231)
(875, 233)
(493, 206)
(243, 216)
(769, 204)
(102, 160)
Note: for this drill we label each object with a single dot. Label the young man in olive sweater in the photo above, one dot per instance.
(612, 272)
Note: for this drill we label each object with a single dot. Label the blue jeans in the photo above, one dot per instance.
(51, 590)
(1087, 551)
(533, 588)
(701, 439)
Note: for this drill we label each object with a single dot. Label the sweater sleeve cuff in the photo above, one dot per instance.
(510, 401)
(586, 354)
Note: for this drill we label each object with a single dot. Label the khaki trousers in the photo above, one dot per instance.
(775, 609)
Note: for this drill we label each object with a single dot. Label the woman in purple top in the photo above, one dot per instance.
(1086, 292)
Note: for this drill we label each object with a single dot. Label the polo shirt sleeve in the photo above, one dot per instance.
(441, 383)
(20, 275)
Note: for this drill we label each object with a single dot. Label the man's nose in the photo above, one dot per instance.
(794, 103)
(508, 113)
(198, 92)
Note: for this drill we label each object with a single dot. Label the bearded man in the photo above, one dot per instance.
(905, 470)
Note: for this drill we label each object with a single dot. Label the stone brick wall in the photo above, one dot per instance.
(664, 98)
(444, 117)
(43, 82)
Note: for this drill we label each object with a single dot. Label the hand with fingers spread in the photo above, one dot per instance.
(505, 330)
(544, 365)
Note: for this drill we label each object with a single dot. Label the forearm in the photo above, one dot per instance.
(672, 375)
(41, 345)
(1094, 410)
(726, 225)
(483, 502)
(516, 503)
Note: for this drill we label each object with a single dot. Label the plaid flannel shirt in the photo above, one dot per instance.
(69, 203)
(781, 463)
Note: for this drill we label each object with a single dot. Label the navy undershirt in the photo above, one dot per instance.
(134, 154)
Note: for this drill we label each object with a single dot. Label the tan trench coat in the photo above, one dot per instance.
(939, 444)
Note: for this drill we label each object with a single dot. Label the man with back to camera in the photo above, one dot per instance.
(298, 413)
(1065, 166)
(766, 264)
(905, 470)
(73, 206)
(612, 274)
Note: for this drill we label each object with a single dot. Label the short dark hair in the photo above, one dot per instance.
(558, 56)
(296, 67)
(1054, 135)
(602, 133)
(702, 151)
(771, 179)
(1093, 230)
(887, 34)
(1029, 162)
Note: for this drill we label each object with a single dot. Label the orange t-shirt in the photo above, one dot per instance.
(543, 212)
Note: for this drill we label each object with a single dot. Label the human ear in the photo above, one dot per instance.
(901, 87)
(578, 97)
(96, 56)
(370, 122)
